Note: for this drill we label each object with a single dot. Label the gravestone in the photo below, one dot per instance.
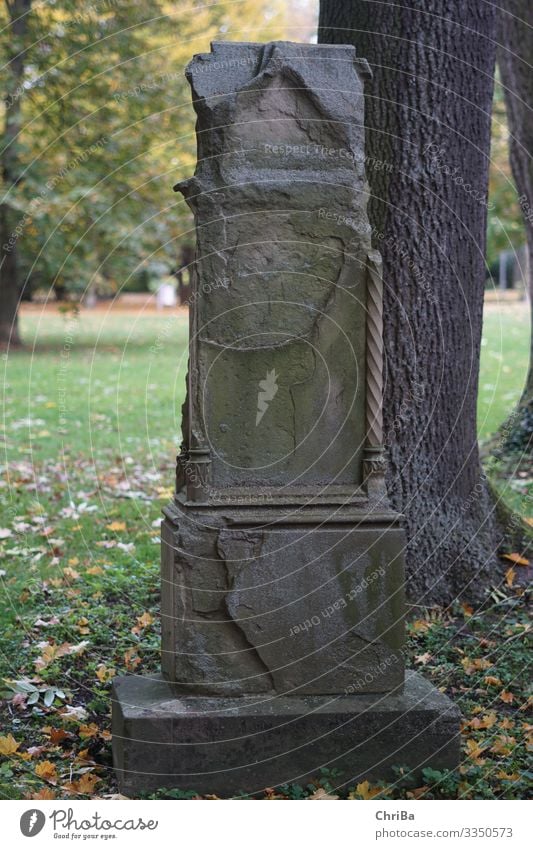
(282, 561)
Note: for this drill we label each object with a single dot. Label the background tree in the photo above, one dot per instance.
(515, 55)
(15, 27)
(428, 134)
(103, 129)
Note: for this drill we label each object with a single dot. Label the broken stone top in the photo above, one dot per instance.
(311, 105)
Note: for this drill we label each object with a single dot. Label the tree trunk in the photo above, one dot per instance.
(515, 54)
(9, 218)
(428, 142)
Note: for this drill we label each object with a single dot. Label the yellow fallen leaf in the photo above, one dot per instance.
(508, 776)
(90, 730)
(472, 665)
(8, 745)
(104, 674)
(503, 745)
(486, 721)
(420, 625)
(94, 570)
(145, 620)
(47, 771)
(474, 750)
(492, 681)
(517, 559)
(510, 575)
(131, 659)
(116, 526)
(73, 561)
(86, 784)
(365, 791)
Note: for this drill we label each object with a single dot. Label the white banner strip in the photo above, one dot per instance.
(184, 823)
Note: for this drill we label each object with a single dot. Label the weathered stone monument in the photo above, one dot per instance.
(282, 561)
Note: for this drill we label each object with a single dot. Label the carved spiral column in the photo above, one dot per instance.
(374, 458)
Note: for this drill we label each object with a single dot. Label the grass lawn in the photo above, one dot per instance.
(91, 428)
(504, 362)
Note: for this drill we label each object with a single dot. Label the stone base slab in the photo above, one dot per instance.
(222, 746)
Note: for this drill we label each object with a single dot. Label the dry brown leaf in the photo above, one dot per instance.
(45, 793)
(506, 697)
(323, 794)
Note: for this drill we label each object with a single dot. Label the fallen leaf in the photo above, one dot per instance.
(145, 620)
(8, 745)
(86, 731)
(506, 697)
(116, 526)
(421, 625)
(36, 751)
(423, 658)
(45, 793)
(503, 745)
(492, 681)
(472, 665)
(104, 674)
(517, 559)
(418, 792)
(5, 533)
(86, 784)
(510, 575)
(365, 791)
(486, 721)
(94, 570)
(47, 771)
(57, 735)
(474, 750)
(322, 794)
(506, 776)
(131, 659)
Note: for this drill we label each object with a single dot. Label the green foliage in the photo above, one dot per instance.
(108, 128)
(505, 226)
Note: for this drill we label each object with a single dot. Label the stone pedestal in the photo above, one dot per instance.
(224, 745)
(282, 560)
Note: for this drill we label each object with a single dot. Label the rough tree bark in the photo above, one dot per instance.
(515, 55)
(10, 164)
(428, 142)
